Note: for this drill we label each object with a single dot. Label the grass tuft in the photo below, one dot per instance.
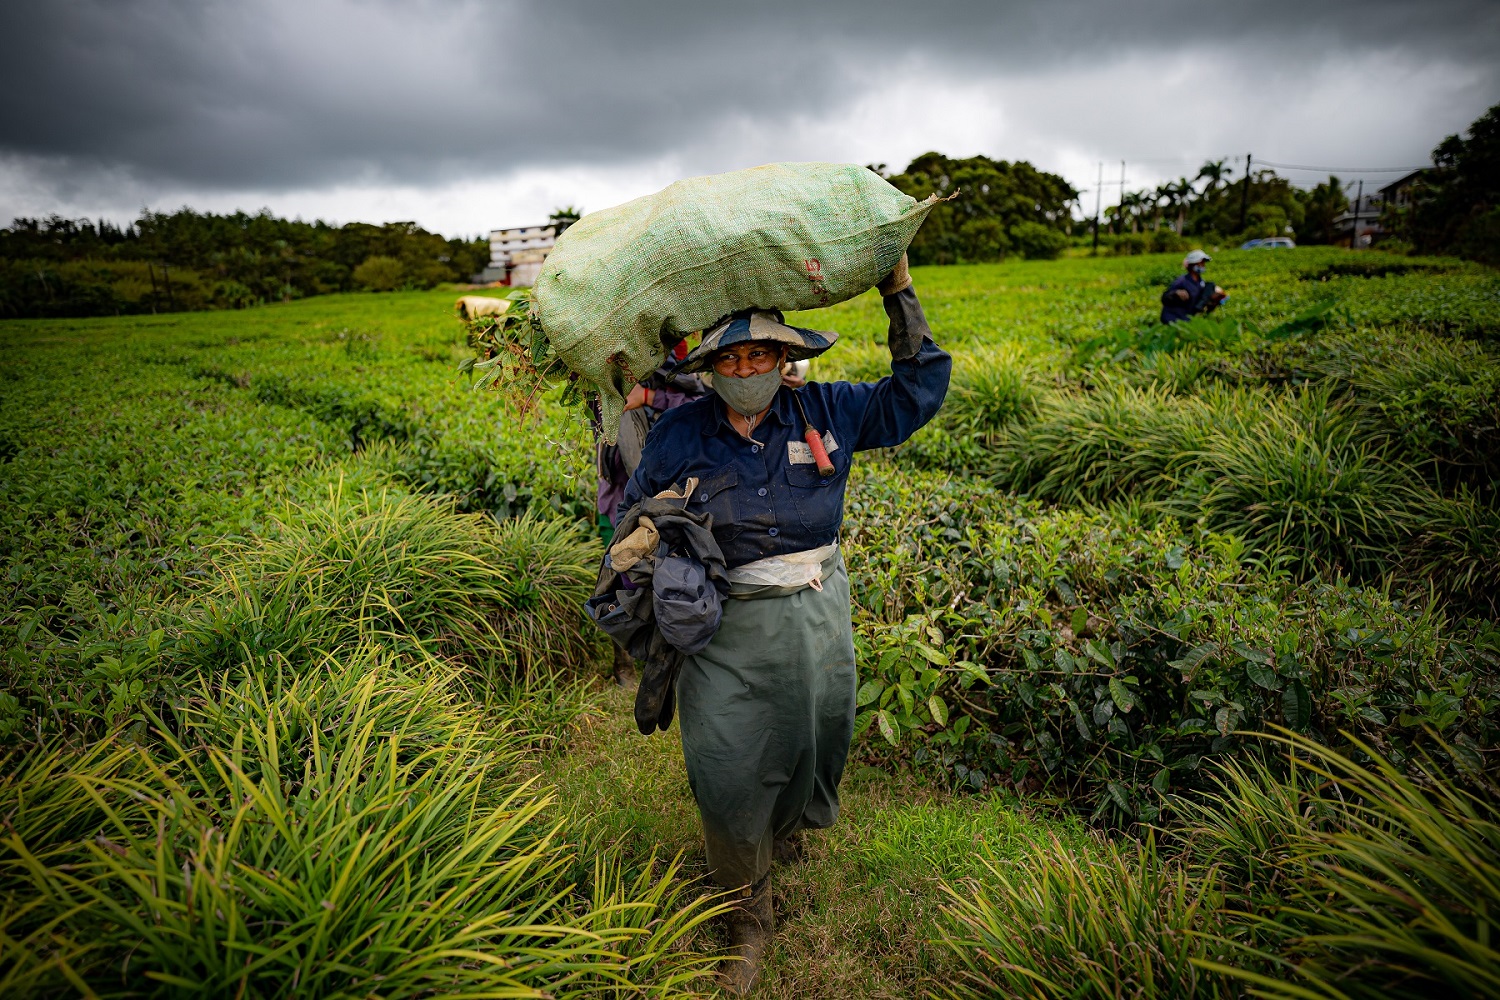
(348, 832)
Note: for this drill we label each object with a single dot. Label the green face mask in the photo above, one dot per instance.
(748, 396)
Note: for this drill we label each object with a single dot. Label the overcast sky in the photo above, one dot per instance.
(467, 115)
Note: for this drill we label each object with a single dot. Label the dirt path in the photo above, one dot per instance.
(858, 916)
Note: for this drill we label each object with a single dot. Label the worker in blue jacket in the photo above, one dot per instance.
(1190, 295)
(767, 709)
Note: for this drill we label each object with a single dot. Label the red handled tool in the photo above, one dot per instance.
(814, 440)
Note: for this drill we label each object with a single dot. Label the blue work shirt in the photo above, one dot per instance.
(1173, 308)
(766, 495)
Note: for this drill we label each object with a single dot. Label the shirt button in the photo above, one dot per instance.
(822, 482)
(761, 492)
(754, 448)
(773, 532)
(703, 498)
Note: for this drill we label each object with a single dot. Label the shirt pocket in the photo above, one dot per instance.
(819, 499)
(716, 494)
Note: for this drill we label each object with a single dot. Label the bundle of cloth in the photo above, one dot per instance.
(660, 595)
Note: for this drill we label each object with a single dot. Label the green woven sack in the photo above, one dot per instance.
(783, 236)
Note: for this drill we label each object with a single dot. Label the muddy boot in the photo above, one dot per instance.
(788, 850)
(625, 675)
(751, 926)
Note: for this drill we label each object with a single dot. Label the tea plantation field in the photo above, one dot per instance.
(1180, 671)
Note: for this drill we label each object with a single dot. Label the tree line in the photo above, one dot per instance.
(1455, 206)
(1003, 209)
(171, 261)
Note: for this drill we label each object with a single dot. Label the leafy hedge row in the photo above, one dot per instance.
(1107, 660)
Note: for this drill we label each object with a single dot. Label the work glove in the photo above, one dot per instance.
(897, 281)
(908, 324)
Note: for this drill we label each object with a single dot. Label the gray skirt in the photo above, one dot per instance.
(766, 713)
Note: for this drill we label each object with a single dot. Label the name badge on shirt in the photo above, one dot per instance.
(798, 453)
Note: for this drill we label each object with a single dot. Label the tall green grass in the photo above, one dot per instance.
(1061, 923)
(1315, 877)
(1294, 474)
(1360, 880)
(347, 831)
(407, 571)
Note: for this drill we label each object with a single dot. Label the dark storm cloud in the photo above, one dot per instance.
(280, 94)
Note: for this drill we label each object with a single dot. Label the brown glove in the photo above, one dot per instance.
(897, 281)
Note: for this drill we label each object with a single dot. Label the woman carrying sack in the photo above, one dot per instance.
(767, 709)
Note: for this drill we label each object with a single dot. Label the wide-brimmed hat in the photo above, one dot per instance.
(756, 324)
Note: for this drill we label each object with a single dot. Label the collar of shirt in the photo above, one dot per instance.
(780, 411)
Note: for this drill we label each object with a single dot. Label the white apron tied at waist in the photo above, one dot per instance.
(795, 569)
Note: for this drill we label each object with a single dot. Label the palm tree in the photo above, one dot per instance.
(1214, 171)
(564, 217)
(1179, 194)
(1162, 193)
(1132, 204)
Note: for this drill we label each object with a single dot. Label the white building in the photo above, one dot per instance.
(516, 254)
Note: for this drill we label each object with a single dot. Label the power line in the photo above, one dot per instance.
(1354, 170)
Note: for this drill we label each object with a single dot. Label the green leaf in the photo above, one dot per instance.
(868, 692)
(862, 722)
(1033, 662)
(1099, 652)
(973, 673)
(1221, 721)
(1195, 656)
(1121, 796)
(1080, 621)
(1162, 780)
(1080, 722)
(1263, 675)
(939, 709)
(1253, 655)
(888, 727)
(908, 700)
(932, 655)
(1123, 698)
(1296, 706)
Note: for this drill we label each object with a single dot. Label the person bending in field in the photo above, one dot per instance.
(1190, 295)
(767, 708)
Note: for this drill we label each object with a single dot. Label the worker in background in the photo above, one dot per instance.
(1190, 295)
(767, 709)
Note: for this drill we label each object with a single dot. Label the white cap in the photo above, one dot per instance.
(1195, 257)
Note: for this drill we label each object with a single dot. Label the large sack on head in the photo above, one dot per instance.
(783, 236)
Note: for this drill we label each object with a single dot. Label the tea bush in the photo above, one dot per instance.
(1002, 642)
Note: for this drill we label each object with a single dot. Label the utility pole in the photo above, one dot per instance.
(1098, 195)
(1359, 204)
(1245, 194)
(151, 270)
(1121, 215)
